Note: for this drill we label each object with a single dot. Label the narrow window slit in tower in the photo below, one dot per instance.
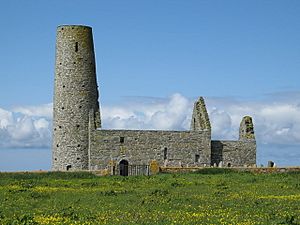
(121, 139)
(76, 46)
(197, 158)
(165, 153)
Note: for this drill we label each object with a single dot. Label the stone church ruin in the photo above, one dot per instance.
(79, 142)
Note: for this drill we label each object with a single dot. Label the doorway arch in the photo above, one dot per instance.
(123, 167)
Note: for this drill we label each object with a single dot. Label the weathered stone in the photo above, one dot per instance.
(79, 143)
(75, 94)
(154, 167)
(200, 119)
(233, 153)
(246, 129)
(168, 148)
(220, 164)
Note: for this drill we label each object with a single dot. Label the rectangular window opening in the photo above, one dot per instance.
(165, 153)
(197, 158)
(76, 46)
(122, 139)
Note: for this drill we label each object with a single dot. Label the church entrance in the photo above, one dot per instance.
(123, 167)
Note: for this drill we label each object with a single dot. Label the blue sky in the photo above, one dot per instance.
(242, 56)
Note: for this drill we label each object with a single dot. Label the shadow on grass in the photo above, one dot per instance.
(215, 171)
(41, 175)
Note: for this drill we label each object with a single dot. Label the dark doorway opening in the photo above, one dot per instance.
(123, 167)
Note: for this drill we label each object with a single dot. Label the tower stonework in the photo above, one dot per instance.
(75, 97)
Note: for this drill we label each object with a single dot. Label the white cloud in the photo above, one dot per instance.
(40, 111)
(169, 114)
(275, 121)
(29, 128)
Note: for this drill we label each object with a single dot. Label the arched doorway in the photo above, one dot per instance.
(123, 167)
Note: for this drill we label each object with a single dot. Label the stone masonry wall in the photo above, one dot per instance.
(168, 148)
(233, 153)
(200, 119)
(75, 95)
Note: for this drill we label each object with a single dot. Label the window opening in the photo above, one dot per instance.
(197, 158)
(122, 139)
(165, 153)
(76, 46)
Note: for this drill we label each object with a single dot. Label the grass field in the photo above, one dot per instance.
(214, 196)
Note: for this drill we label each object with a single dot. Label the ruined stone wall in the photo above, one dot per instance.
(233, 153)
(79, 145)
(168, 148)
(75, 95)
(200, 119)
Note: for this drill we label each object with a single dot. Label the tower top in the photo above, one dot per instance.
(73, 26)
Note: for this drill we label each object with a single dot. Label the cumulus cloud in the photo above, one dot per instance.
(41, 111)
(26, 128)
(276, 120)
(166, 114)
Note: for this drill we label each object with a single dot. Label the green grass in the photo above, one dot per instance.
(212, 196)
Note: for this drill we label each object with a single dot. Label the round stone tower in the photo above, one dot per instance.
(75, 97)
